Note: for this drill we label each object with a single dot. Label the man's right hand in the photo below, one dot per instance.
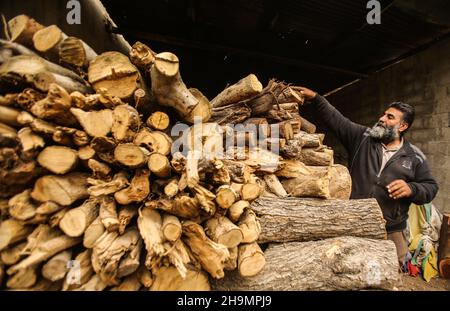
(307, 93)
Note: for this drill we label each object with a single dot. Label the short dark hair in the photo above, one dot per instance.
(408, 112)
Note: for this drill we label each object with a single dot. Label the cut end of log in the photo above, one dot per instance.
(47, 38)
(251, 259)
(58, 159)
(167, 64)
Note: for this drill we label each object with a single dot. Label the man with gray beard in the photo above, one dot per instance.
(382, 163)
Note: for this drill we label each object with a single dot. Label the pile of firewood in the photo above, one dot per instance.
(98, 192)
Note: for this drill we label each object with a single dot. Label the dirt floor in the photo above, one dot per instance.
(419, 284)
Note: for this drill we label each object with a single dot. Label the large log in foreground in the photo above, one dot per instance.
(343, 263)
(315, 219)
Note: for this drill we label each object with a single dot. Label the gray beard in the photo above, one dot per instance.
(384, 134)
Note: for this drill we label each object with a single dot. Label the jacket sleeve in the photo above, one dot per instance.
(348, 132)
(424, 187)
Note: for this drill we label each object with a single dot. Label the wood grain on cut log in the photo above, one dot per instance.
(314, 185)
(154, 141)
(250, 259)
(12, 231)
(142, 56)
(76, 220)
(56, 268)
(340, 180)
(138, 190)
(274, 184)
(93, 232)
(250, 226)
(75, 52)
(21, 206)
(13, 254)
(226, 196)
(114, 72)
(158, 121)
(24, 278)
(159, 165)
(313, 157)
(342, 263)
(241, 90)
(58, 159)
(171, 227)
(131, 155)
(22, 28)
(64, 190)
(221, 230)
(95, 123)
(314, 219)
(237, 209)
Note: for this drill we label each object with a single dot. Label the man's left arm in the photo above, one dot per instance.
(424, 188)
(420, 191)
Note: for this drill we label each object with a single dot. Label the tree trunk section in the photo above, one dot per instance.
(343, 263)
(314, 219)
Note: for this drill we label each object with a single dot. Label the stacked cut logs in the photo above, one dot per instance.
(98, 190)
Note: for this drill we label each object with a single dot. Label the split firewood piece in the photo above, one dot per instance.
(250, 191)
(232, 261)
(23, 278)
(108, 251)
(178, 255)
(158, 120)
(99, 169)
(44, 251)
(115, 73)
(259, 159)
(315, 185)
(131, 261)
(181, 206)
(12, 231)
(145, 276)
(259, 126)
(63, 190)
(22, 28)
(237, 209)
(131, 155)
(159, 165)
(275, 185)
(154, 141)
(171, 189)
(221, 230)
(93, 232)
(108, 213)
(205, 199)
(40, 73)
(126, 123)
(85, 102)
(210, 255)
(150, 226)
(126, 215)
(239, 171)
(170, 90)
(85, 153)
(130, 283)
(55, 219)
(47, 41)
(58, 159)
(100, 187)
(340, 179)
(95, 123)
(21, 206)
(168, 278)
(55, 106)
(313, 157)
(249, 226)
(29, 140)
(293, 169)
(171, 227)
(241, 90)
(142, 56)
(250, 259)
(75, 221)
(8, 116)
(56, 268)
(75, 52)
(230, 114)
(290, 95)
(80, 271)
(292, 149)
(95, 283)
(138, 190)
(226, 196)
(48, 208)
(296, 124)
(13, 254)
(285, 129)
(307, 126)
(104, 148)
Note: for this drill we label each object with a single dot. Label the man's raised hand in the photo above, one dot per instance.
(307, 93)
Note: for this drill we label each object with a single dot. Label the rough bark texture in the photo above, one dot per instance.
(314, 219)
(343, 263)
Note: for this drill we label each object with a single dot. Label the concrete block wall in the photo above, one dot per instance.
(422, 80)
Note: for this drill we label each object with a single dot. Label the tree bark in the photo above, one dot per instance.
(343, 263)
(241, 90)
(314, 219)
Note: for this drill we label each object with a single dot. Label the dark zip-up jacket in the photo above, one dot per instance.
(365, 157)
